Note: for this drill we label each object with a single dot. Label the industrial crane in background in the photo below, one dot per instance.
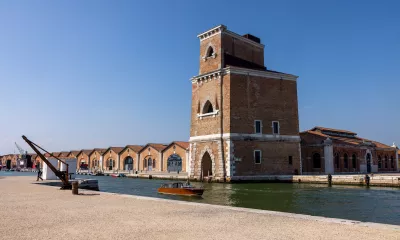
(24, 160)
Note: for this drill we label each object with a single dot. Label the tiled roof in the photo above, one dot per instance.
(135, 148)
(55, 154)
(74, 152)
(348, 140)
(63, 154)
(99, 150)
(157, 146)
(117, 150)
(184, 145)
(86, 151)
(333, 130)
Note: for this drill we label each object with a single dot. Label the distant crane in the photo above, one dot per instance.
(24, 161)
(21, 151)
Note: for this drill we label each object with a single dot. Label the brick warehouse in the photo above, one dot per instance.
(326, 150)
(244, 119)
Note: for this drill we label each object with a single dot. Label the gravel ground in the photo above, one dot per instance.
(30, 211)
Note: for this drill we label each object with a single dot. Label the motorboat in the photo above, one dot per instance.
(179, 188)
(115, 175)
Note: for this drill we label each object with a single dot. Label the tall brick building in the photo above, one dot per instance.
(244, 119)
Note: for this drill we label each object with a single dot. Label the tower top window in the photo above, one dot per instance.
(210, 52)
(208, 108)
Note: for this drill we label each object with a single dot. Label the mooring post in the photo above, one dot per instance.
(75, 188)
(367, 179)
(329, 179)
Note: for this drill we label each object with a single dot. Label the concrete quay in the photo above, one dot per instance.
(34, 211)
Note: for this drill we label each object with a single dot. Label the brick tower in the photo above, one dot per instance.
(244, 121)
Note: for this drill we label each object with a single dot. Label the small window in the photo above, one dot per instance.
(257, 156)
(210, 52)
(208, 108)
(257, 126)
(275, 127)
(290, 160)
(354, 161)
(346, 161)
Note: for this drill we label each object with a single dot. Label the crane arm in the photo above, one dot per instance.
(21, 151)
(63, 176)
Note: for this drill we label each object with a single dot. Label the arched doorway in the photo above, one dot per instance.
(368, 163)
(316, 161)
(110, 164)
(206, 165)
(8, 164)
(174, 163)
(149, 164)
(128, 164)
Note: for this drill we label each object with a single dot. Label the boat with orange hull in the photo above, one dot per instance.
(179, 188)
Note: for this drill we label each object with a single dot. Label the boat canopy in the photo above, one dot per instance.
(173, 185)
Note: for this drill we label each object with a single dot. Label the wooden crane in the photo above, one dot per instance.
(62, 175)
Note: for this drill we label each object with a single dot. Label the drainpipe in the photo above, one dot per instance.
(221, 106)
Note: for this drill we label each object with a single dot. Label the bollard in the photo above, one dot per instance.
(329, 179)
(75, 188)
(367, 180)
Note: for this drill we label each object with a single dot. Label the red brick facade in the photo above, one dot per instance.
(331, 151)
(175, 157)
(233, 90)
(151, 157)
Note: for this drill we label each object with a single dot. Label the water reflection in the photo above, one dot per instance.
(372, 204)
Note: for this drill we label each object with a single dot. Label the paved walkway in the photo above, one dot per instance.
(31, 211)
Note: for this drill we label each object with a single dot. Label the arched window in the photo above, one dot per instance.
(354, 161)
(391, 162)
(316, 160)
(386, 161)
(379, 161)
(208, 108)
(346, 161)
(210, 52)
(337, 160)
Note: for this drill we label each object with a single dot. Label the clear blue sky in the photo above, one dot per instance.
(84, 74)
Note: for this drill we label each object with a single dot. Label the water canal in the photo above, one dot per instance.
(374, 204)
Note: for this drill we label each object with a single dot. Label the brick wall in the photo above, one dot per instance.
(237, 47)
(107, 157)
(258, 98)
(131, 153)
(145, 155)
(275, 158)
(210, 64)
(179, 151)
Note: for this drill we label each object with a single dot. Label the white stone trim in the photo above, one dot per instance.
(207, 76)
(255, 126)
(258, 73)
(211, 32)
(209, 151)
(254, 156)
(202, 115)
(222, 29)
(242, 71)
(273, 129)
(243, 136)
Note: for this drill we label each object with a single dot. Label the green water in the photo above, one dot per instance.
(373, 204)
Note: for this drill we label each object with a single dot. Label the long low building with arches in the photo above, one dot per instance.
(334, 151)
